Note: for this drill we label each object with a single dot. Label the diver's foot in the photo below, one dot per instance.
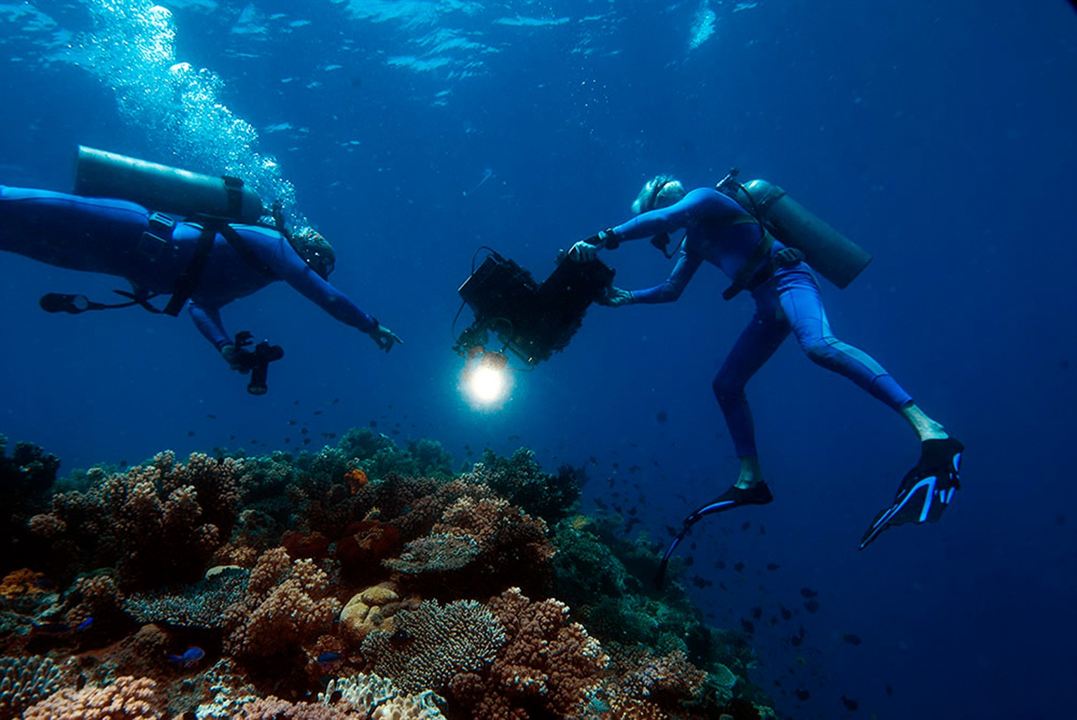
(926, 490)
(736, 496)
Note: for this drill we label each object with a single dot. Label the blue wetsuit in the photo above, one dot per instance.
(106, 236)
(719, 231)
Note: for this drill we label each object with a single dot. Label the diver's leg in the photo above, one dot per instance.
(799, 298)
(756, 344)
(69, 231)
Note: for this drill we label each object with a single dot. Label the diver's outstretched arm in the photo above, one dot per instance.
(674, 285)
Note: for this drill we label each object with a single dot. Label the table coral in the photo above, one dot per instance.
(434, 642)
(197, 606)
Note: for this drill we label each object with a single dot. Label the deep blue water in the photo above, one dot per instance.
(938, 135)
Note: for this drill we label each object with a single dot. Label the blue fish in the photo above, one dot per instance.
(328, 657)
(84, 625)
(51, 627)
(189, 658)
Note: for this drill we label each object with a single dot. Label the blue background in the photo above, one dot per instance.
(938, 135)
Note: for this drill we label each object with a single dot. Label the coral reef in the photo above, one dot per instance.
(156, 523)
(365, 575)
(548, 663)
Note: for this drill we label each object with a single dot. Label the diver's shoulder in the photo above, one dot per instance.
(708, 197)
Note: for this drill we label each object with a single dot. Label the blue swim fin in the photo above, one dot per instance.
(926, 490)
(758, 494)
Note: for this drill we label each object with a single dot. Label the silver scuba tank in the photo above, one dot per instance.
(834, 256)
(163, 188)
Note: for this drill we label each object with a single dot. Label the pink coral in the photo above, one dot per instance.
(273, 708)
(547, 661)
(286, 606)
(128, 698)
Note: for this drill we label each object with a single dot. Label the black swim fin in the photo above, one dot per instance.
(734, 497)
(926, 490)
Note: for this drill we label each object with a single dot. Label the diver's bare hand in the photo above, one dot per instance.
(615, 297)
(384, 338)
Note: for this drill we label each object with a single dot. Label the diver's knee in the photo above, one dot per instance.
(820, 351)
(727, 389)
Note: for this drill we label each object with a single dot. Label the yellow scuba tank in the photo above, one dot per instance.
(836, 257)
(163, 188)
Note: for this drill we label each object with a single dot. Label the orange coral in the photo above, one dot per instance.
(19, 583)
(356, 478)
(128, 698)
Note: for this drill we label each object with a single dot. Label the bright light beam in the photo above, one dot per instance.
(487, 382)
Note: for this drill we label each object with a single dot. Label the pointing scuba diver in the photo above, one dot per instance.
(203, 261)
(750, 241)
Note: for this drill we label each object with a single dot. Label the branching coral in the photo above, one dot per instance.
(24, 681)
(547, 662)
(127, 699)
(286, 605)
(378, 698)
(156, 522)
(434, 642)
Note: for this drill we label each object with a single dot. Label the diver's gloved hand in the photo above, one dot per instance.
(615, 297)
(925, 491)
(233, 356)
(384, 338)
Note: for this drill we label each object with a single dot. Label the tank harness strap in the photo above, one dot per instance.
(233, 186)
(191, 277)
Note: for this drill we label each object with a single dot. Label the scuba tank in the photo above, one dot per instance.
(836, 257)
(167, 189)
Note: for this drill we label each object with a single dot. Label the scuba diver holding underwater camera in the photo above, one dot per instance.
(203, 258)
(734, 227)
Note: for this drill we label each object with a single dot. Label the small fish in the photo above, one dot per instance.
(811, 605)
(757, 612)
(293, 421)
(329, 657)
(786, 613)
(719, 564)
(808, 592)
(739, 567)
(85, 624)
(374, 424)
(851, 638)
(889, 690)
(849, 703)
(661, 416)
(190, 433)
(747, 524)
(747, 625)
(773, 566)
(211, 416)
(335, 401)
(317, 412)
(802, 694)
(190, 657)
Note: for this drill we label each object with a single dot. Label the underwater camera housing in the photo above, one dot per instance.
(533, 321)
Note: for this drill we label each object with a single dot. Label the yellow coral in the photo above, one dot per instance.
(19, 583)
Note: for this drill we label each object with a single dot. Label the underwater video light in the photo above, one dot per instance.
(487, 379)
